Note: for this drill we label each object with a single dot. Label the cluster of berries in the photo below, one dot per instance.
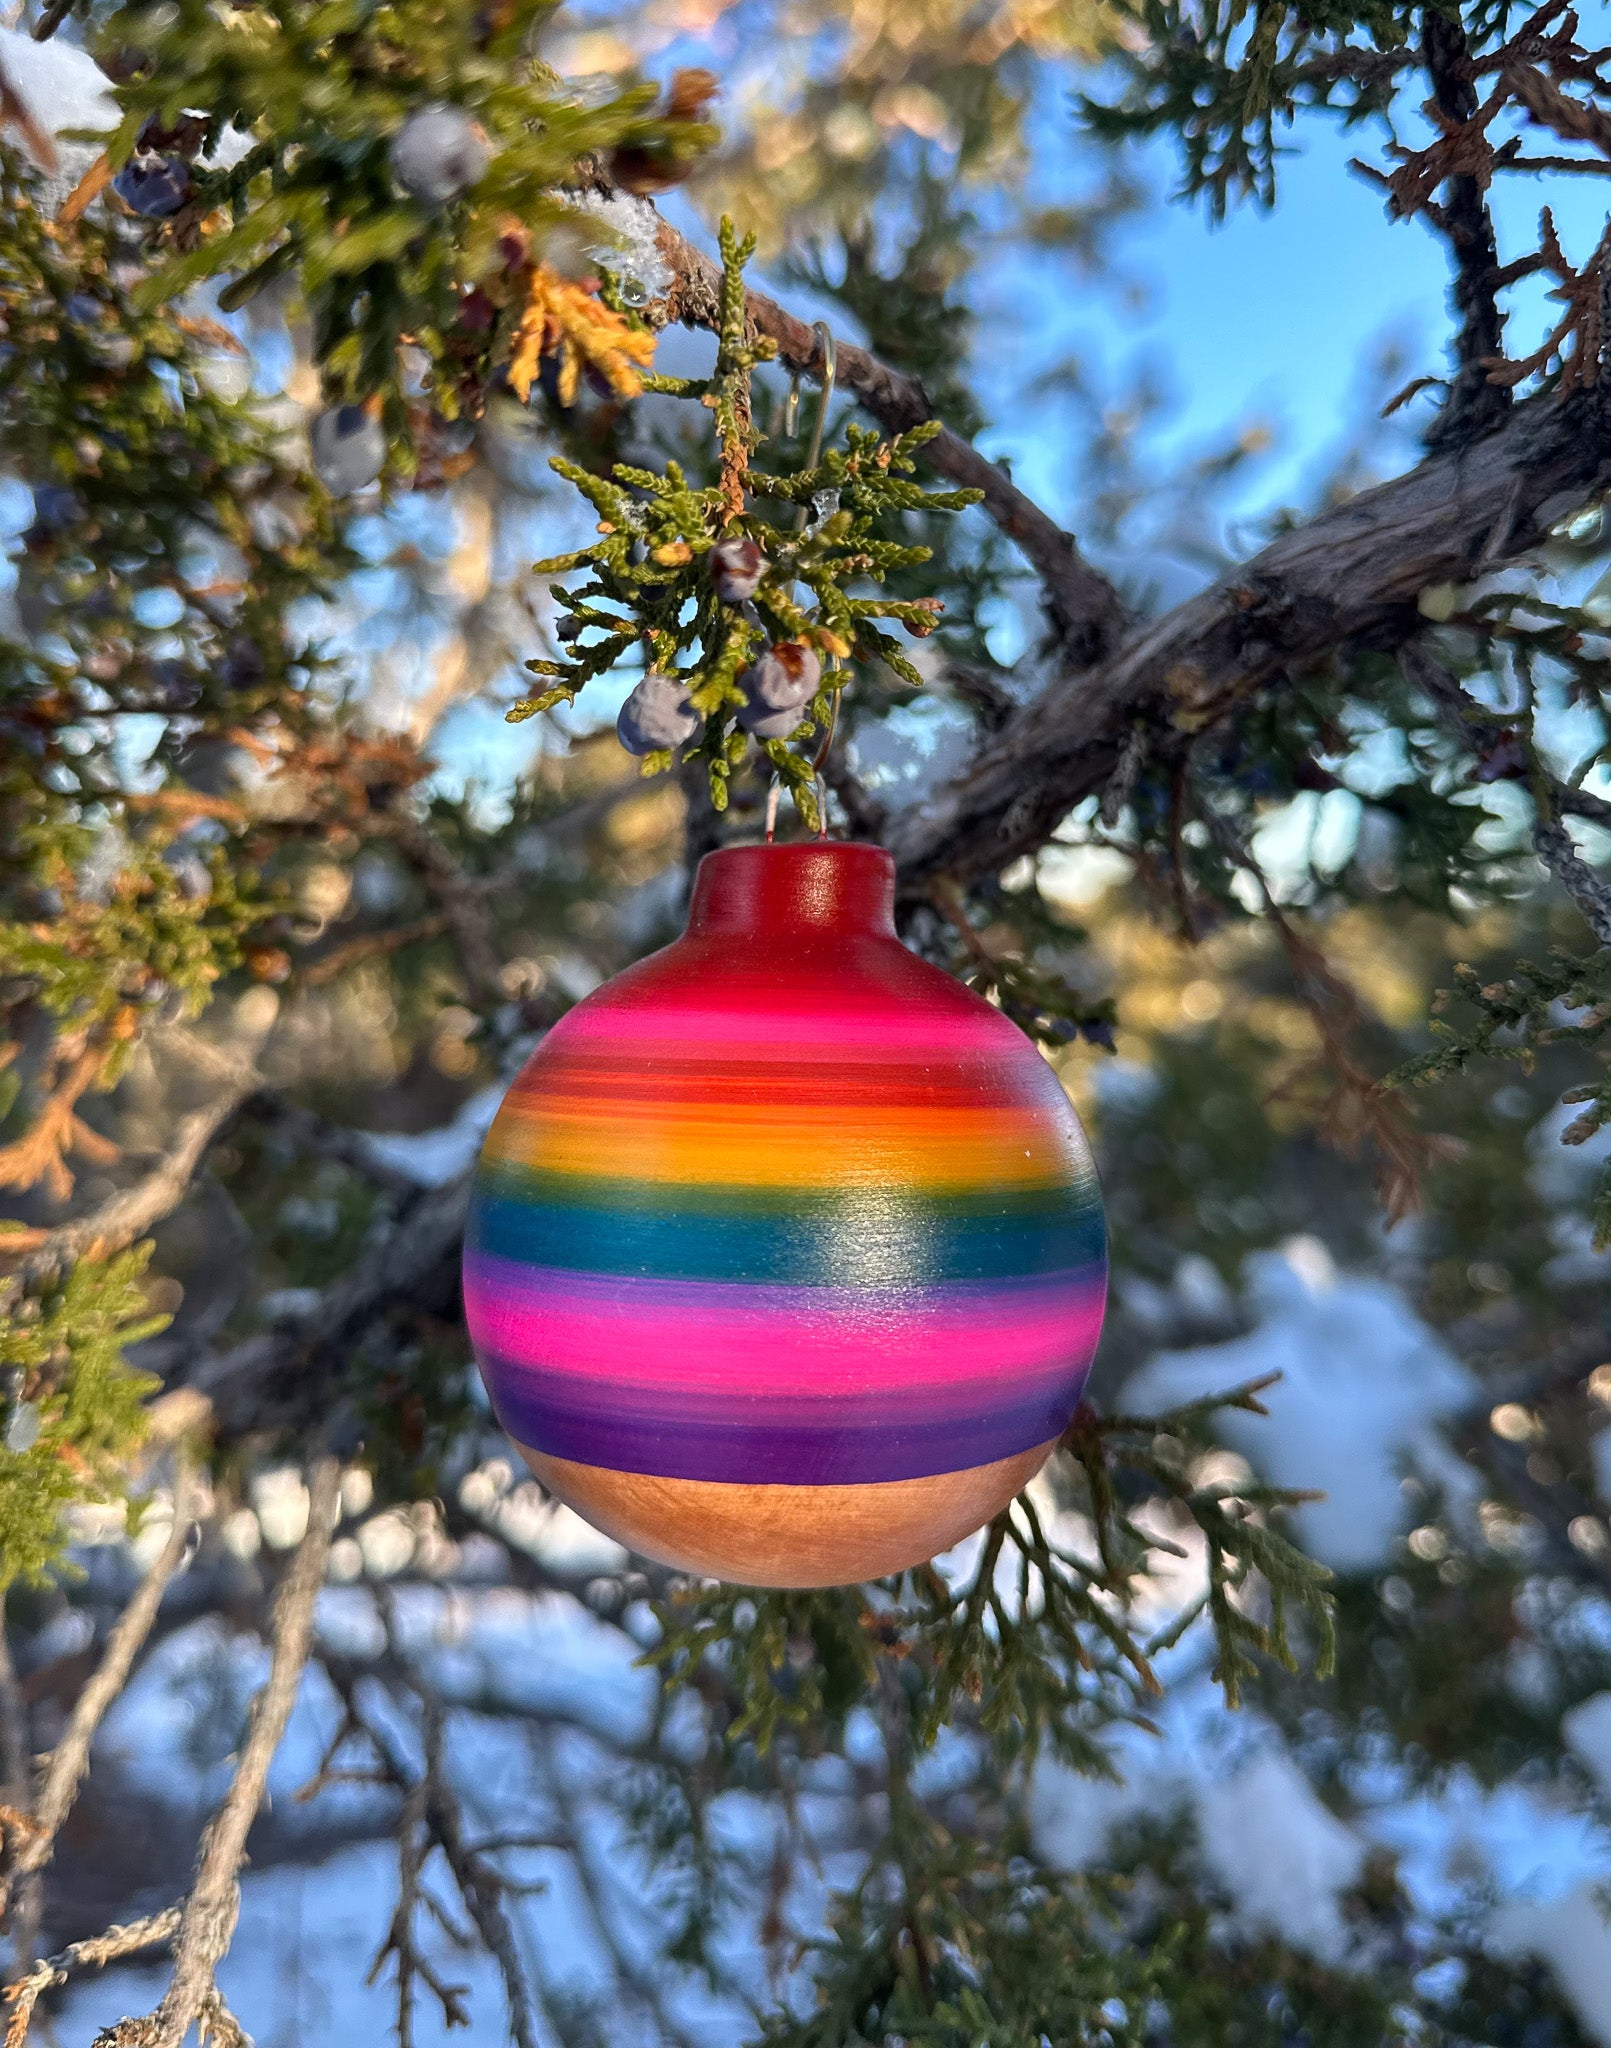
(777, 687)
(436, 156)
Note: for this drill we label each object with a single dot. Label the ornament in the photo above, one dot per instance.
(349, 449)
(439, 153)
(785, 1260)
(657, 714)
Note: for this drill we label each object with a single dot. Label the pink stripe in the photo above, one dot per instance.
(780, 1022)
(711, 1337)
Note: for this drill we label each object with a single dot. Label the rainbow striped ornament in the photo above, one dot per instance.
(785, 1262)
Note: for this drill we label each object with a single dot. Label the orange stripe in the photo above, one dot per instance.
(778, 1146)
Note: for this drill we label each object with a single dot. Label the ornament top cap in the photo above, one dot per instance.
(826, 888)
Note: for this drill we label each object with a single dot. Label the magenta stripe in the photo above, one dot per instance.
(779, 1027)
(712, 1337)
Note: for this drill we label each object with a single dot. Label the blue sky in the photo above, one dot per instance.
(1276, 314)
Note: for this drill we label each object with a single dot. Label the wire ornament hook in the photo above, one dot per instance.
(819, 426)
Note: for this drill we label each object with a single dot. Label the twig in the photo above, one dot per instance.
(1084, 609)
(1558, 851)
(94, 1953)
(70, 1758)
(371, 946)
(51, 20)
(131, 1212)
(213, 1905)
(480, 1885)
(1474, 403)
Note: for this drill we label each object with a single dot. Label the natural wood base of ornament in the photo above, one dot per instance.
(788, 1535)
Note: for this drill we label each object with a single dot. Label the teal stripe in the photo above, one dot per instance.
(852, 1240)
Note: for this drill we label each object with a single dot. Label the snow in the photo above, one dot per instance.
(432, 1158)
(1586, 1731)
(63, 87)
(1364, 1384)
(630, 245)
(1283, 1857)
(1463, 1842)
(1573, 1936)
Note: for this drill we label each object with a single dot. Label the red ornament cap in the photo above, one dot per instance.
(822, 889)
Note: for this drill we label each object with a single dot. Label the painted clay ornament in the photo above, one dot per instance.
(786, 1262)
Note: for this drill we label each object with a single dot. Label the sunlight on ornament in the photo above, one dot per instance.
(786, 1260)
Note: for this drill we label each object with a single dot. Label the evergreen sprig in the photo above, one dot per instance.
(1031, 1640)
(1566, 1001)
(649, 584)
(61, 1355)
(316, 91)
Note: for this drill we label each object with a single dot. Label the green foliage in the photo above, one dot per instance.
(1031, 1643)
(61, 1349)
(1222, 79)
(983, 1951)
(1512, 1019)
(649, 585)
(171, 532)
(319, 89)
(122, 928)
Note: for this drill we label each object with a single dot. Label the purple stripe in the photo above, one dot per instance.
(850, 1439)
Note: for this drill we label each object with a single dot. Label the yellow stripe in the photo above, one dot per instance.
(777, 1146)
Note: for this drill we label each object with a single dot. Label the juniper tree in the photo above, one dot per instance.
(247, 914)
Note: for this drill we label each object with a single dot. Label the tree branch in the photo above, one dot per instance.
(70, 1758)
(1084, 610)
(1474, 404)
(1558, 851)
(278, 1378)
(132, 1211)
(92, 1954)
(211, 1909)
(1351, 576)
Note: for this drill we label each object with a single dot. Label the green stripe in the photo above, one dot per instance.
(858, 1239)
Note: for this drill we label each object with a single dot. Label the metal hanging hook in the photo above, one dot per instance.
(830, 364)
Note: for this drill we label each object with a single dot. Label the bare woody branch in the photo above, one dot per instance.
(70, 1758)
(429, 1795)
(1350, 577)
(1475, 403)
(131, 1212)
(213, 1905)
(92, 1954)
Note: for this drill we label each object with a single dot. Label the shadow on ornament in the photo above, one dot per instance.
(785, 1261)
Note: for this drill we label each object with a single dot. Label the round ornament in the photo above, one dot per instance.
(785, 1261)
